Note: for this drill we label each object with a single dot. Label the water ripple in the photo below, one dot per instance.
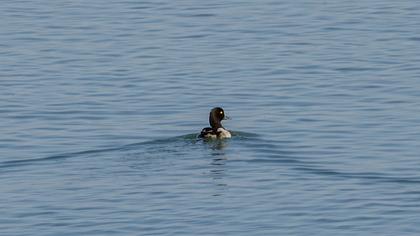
(94, 97)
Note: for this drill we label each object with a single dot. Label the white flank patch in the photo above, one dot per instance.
(224, 133)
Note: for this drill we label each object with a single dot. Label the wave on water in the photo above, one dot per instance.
(259, 151)
(185, 139)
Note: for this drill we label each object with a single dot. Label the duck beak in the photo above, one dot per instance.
(227, 118)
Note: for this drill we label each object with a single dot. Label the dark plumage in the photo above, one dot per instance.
(216, 130)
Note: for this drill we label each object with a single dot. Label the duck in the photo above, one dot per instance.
(216, 131)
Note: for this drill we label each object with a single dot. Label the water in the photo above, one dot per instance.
(100, 103)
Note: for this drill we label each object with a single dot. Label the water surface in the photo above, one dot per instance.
(100, 104)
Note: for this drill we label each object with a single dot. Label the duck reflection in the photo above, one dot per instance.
(217, 166)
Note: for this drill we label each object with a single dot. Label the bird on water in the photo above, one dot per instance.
(216, 131)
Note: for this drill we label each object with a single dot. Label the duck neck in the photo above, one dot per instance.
(215, 123)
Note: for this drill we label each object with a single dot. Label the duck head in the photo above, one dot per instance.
(217, 114)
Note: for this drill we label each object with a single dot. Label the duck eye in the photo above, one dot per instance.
(221, 112)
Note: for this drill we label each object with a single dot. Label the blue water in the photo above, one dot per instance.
(100, 102)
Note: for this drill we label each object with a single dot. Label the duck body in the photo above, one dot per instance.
(216, 131)
(209, 133)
